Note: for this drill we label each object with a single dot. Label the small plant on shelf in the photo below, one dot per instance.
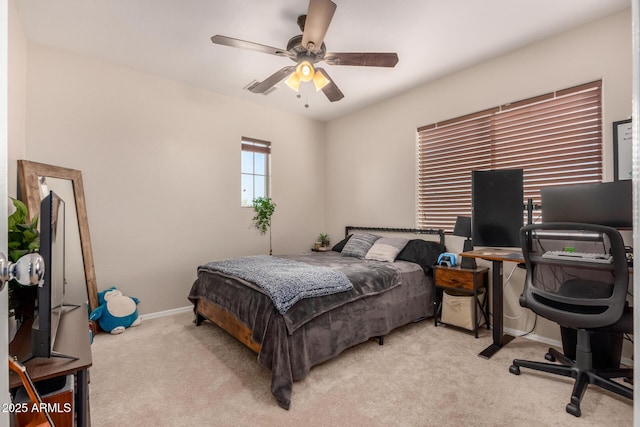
(323, 238)
(264, 208)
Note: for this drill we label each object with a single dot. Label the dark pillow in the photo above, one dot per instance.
(422, 252)
(340, 245)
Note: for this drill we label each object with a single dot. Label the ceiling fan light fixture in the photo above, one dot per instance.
(320, 80)
(314, 26)
(305, 71)
(293, 81)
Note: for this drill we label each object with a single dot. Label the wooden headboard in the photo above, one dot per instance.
(349, 229)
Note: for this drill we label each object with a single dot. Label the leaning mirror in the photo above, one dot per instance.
(35, 180)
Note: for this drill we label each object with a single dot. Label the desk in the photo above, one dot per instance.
(497, 257)
(73, 339)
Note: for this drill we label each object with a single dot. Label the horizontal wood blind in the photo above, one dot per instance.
(256, 145)
(556, 138)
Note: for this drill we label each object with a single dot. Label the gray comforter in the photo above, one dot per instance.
(286, 281)
(384, 297)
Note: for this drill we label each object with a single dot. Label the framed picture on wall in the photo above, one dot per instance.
(622, 139)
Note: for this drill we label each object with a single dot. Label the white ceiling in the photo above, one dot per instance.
(172, 39)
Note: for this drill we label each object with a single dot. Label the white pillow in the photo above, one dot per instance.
(386, 249)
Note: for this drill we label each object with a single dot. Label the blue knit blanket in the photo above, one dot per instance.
(286, 281)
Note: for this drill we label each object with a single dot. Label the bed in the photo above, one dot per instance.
(290, 340)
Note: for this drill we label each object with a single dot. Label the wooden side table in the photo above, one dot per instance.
(467, 281)
(72, 338)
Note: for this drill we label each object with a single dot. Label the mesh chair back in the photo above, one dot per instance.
(574, 293)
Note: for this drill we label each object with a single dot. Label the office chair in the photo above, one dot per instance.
(586, 296)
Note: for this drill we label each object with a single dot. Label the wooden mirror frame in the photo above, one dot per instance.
(29, 193)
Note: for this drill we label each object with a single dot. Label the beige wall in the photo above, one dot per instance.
(16, 112)
(371, 153)
(161, 169)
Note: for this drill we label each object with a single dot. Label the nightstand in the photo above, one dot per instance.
(466, 281)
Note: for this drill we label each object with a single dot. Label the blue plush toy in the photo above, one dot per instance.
(116, 312)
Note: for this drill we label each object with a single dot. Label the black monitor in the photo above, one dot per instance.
(606, 203)
(497, 199)
(50, 297)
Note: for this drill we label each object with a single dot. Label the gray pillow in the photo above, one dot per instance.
(359, 244)
(386, 249)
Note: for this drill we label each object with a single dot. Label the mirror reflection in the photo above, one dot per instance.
(36, 179)
(75, 283)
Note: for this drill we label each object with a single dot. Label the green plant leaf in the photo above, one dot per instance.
(23, 236)
(264, 208)
(14, 255)
(34, 246)
(21, 212)
(28, 235)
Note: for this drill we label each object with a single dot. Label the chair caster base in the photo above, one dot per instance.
(574, 409)
(515, 370)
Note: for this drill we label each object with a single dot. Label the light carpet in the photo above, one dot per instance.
(169, 372)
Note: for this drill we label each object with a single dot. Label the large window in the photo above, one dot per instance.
(556, 138)
(255, 170)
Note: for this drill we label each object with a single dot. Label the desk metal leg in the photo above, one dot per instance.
(82, 398)
(499, 339)
(437, 304)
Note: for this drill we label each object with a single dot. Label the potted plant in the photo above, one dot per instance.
(23, 238)
(264, 208)
(323, 238)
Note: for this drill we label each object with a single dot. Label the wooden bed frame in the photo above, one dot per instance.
(206, 310)
(227, 321)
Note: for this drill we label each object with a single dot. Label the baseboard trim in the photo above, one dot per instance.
(166, 313)
(533, 337)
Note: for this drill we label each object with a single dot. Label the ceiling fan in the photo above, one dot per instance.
(308, 49)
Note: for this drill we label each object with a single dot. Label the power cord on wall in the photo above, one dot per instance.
(533, 328)
(504, 286)
(524, 311)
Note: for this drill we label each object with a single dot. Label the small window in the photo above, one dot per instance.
(256, 156)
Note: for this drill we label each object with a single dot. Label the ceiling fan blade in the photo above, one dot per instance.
(365, 59)
(317, 23)
(242, 44)
(331, 90)
(273, 79)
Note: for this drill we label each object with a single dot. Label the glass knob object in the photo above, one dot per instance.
(28, 271)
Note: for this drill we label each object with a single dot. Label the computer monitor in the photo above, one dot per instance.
(51, 306)
(497, 200)
(607, 203)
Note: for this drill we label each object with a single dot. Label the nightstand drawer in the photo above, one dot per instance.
(459, 278)
(467, 281)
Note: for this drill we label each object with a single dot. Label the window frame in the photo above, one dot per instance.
(254, 146)
(507, 137)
